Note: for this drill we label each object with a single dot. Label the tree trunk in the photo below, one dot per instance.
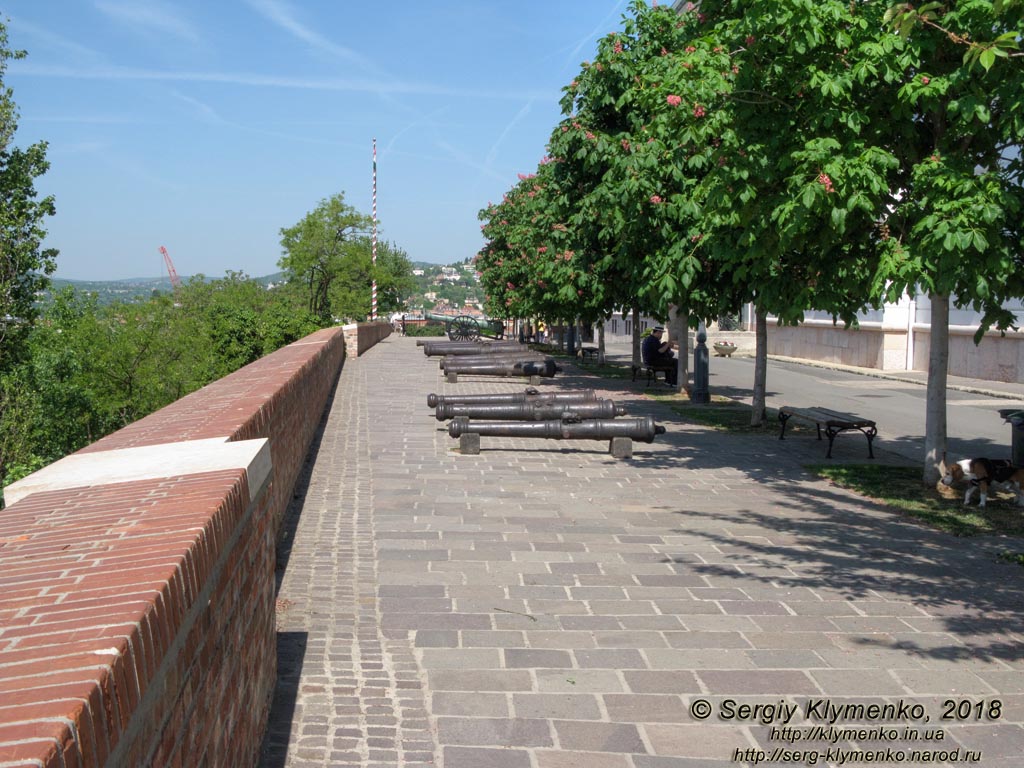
(600, 341)
(938, 369)
(757, 413)
(679, 331)
(636, 336)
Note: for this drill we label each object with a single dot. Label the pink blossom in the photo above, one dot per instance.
(698, 110)
(673, 100)
(510, 285)
(625, 145)
(826, 182)
(542, 249)
(690, 49)
(617, 47)
(925, 79)
(590, 135)
(750, 39)
(655, 199)
(664, 51)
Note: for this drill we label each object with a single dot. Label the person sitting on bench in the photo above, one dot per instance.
(658, 354)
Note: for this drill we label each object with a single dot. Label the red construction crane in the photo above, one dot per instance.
(175, 280)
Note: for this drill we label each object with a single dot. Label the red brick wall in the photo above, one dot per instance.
(360, 337)
(137, 619)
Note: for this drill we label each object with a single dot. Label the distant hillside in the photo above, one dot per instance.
(136, 288)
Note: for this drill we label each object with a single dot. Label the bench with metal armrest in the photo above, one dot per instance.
(833, 423)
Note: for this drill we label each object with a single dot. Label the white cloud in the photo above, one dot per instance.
(149, 15)
(368, 85)
(282, 15)
(66, 49)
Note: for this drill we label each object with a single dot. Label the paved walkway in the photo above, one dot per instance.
(530, 608)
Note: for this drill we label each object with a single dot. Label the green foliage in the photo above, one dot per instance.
(89, 370)
(900, 489)
(329, 253)
(24, 264)
(427, 329)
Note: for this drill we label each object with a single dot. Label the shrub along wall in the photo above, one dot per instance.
(137, 576)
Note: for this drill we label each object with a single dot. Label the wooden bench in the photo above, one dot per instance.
(651, 370)
(833, 422)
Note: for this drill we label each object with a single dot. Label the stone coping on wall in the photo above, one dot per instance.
(148, 462)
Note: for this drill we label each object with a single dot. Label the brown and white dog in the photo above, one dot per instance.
(983, 474)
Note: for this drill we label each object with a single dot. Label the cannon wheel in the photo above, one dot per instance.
(463, 328)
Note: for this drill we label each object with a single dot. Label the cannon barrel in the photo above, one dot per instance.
(545, 368)
(642, 429)
(531, 411)
(510, 357)
(529, 395)
(436, 349)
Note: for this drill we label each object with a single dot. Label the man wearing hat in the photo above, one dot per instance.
(659, 354)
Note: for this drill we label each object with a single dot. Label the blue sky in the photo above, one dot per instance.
(208, 125)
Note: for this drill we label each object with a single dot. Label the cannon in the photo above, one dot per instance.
(469, 328)
(619, 432)
(453, 361)
(531, 411)
(436, 349)
(531, 368)
(528, 395)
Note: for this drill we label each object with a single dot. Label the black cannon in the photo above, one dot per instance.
(454, 361)
(534, 411)
(528, 395)
(436, 349)
(531, 368)
(620, 432)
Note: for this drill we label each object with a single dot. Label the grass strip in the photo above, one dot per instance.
(900, 488)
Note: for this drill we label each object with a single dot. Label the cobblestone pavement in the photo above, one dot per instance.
(543, 605)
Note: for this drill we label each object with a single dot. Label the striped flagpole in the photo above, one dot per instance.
(373, 285)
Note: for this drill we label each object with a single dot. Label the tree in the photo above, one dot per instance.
(24, 264)
(955, 228)
(316, 248)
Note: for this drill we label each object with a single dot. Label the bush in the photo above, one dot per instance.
(430, 329)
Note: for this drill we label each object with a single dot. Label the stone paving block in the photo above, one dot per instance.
(556, 706)
(661, 681)
(548, 759)
(780, 682)
(853, 682)
(616, 658)
(460, 658)
(599, 737)
(695, 741)
(950, 682)
(534, 658)
(480, 680)
(646, 708)
(475, 757)
(483, 731)
(470, 704)
(578, 681)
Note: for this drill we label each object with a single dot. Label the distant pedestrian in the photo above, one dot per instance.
(403, 325)
(541, 330)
